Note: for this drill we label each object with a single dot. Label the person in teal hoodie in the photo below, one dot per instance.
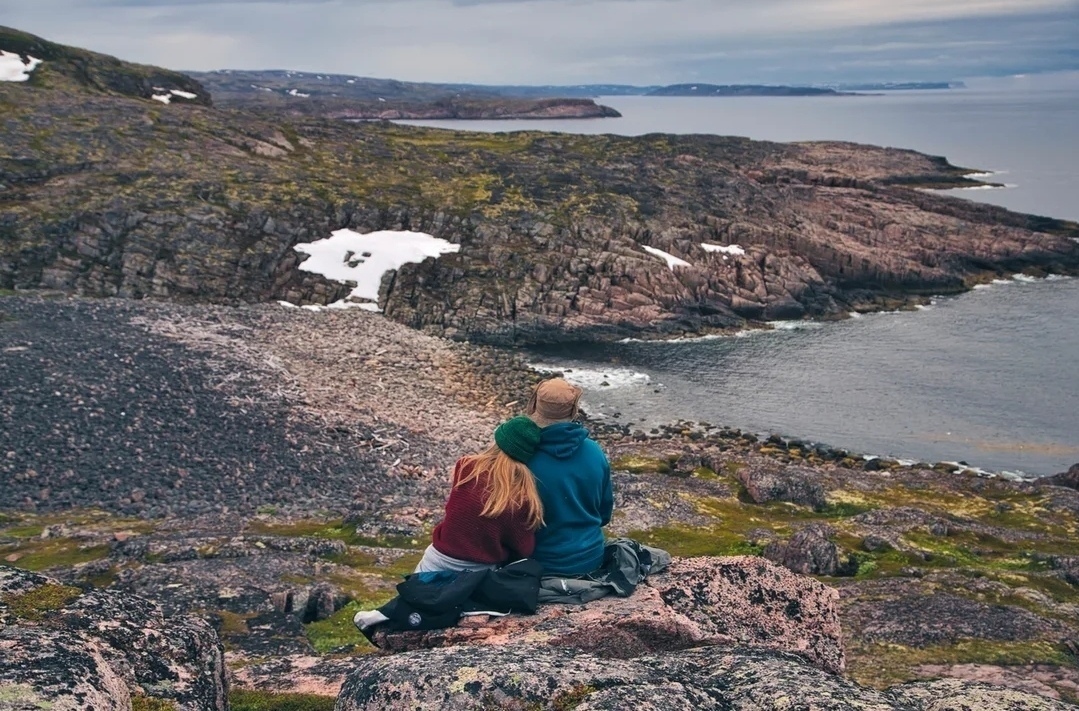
(573, 478)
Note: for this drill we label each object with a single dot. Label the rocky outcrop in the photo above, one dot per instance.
(552, 227)
(741, 601)
(811, 551)
(65, 649)
(956, 695)
(778, 483)
(1069, 478)
(759, 639)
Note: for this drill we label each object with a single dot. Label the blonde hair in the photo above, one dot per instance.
(509, 486)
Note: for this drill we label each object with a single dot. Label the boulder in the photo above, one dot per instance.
(778, 483)
(810, 551)
(740, 601)
(1069, 478)
(62, 648)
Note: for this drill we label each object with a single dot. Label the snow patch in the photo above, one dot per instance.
(730, 249)
(13, 68)
(294, 92)
(184, 94)
(672, 261)
(348, 256)
(163, 98)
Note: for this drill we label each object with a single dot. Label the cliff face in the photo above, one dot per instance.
(110, 195)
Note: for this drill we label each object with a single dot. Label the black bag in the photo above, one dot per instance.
(512, 588)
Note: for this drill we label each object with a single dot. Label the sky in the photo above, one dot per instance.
(577, 41)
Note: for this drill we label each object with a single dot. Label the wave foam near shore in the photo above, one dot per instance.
(593, 379)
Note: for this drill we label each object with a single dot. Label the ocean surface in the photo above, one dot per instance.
(990, 378)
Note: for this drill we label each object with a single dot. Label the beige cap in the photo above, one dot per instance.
(554, 400)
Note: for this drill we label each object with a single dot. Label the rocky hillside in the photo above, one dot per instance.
(78, 70)
(352, 97)
(115, 195)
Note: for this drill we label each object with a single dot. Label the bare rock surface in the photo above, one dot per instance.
(710, 678)
(958, 695)
(1069, 478)
(810, 551)
(65, 649)
(779, 483)
(740, 601)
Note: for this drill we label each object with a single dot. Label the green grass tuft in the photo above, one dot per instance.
(337, 634)
(252, 700)
(37, 603)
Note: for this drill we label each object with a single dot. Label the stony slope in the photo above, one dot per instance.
(73, 69)
(111, 195)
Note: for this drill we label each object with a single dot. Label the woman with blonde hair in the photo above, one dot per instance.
(494, 509)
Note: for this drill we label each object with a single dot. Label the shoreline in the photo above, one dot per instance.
(355, 421)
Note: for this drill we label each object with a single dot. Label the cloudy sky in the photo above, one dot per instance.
(576, 41)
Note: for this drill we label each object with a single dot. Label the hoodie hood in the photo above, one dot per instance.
(563, 439)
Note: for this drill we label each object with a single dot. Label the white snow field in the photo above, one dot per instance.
(347, 256)
(12, 67)
(732, 249)
(672, 261)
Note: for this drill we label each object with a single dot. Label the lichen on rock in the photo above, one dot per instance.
(68, 651)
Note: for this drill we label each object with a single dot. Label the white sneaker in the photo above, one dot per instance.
(368, 618)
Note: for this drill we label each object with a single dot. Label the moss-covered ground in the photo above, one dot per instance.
(253, 700)
(36, 604)
(996, 544)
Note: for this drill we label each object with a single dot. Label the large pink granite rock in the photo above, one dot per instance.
(739, 601)
(69, 650)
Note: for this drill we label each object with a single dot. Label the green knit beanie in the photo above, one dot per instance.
(519, 438)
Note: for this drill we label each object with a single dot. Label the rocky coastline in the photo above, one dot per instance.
(455, 109)
(108, 193)
(306, 463)
(201, 487)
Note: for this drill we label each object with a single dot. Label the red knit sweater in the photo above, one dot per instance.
(466, 535)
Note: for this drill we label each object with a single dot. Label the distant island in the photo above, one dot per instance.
(902, 86)
(366, 98)
(741, 90)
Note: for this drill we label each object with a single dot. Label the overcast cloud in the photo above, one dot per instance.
(576, 41)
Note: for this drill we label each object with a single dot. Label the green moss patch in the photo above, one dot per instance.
(149, 703)
(883, 665)
(637, 464)
(335, 530)
(55, 553)
(337, 633)
(251, 700)
(37, 603)
(233, 623)
(686, 541)
(22, 696)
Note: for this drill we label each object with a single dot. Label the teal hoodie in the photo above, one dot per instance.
(574, 481)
